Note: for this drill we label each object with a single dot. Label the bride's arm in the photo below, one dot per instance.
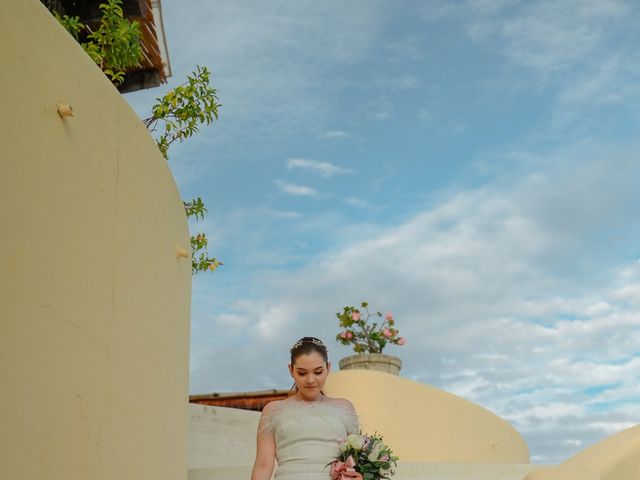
(265, 449)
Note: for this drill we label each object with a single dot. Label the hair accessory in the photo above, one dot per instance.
(315, 341)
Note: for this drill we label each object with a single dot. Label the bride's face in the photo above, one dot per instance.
(310, 372)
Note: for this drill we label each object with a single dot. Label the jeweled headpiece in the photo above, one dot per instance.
(315, 341)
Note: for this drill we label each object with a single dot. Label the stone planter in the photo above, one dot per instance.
(372, 361)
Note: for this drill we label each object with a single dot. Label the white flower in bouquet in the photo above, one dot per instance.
(355, 441)
(375, 452)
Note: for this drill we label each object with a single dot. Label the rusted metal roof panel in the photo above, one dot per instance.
(244, 400)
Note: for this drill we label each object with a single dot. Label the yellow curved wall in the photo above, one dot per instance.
(615, 458)
(94, 305)
(425, 424)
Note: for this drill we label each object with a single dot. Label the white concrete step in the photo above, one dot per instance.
(406, 471)
(462, 471)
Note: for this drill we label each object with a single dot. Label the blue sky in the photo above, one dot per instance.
(470, 166)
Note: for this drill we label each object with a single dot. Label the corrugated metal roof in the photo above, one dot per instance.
(244, 400)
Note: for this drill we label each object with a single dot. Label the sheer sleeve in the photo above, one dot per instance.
(266, 425)
(351, 421)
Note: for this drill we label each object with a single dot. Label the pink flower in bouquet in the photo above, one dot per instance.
(355, 316)
(388, 316)
(401, 341)
(349, 334)
(386, 332)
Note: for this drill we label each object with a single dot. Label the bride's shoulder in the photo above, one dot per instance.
(269, 415)
(348, 415)
(342, 402)
(274, 405)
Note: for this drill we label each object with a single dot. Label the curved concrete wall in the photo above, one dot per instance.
(94, 304)
(425, 424)
(615, 458)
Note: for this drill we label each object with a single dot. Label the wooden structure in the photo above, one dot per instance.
(154, 68)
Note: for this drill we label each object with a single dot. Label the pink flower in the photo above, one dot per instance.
(384, 458)
(386, 332)
(343, 334)
(389, 316)
(349, 334)
(401, 341)
(355, 316)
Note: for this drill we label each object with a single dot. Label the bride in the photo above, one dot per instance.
(302, 431)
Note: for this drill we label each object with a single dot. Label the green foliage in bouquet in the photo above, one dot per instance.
(364, 336)
(367, 454)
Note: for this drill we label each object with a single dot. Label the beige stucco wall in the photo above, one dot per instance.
(425, 424)
(94, 304)
(615, 458)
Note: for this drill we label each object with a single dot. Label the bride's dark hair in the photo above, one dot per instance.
(305, 346)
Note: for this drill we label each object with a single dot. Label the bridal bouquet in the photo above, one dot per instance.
(366, 455)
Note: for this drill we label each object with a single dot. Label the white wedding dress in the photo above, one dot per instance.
(306, 437)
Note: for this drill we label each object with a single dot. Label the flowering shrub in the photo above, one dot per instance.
(365, 454)
(364, 336)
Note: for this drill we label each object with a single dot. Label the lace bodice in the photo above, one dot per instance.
(306, 436)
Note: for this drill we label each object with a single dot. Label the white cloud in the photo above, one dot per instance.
(335, 134)
(356, 202)
(434, 10)
(425, 115)
(287, 214)
(325, 169)
(400, 82)
(293, 189)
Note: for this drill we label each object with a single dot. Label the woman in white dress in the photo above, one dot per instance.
(302, 432)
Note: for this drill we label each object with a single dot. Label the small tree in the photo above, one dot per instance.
(177, 116)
